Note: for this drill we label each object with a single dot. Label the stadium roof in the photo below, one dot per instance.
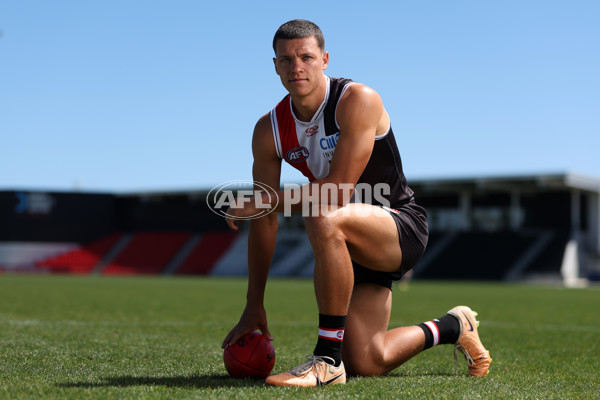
(564, 180)
(525, 182)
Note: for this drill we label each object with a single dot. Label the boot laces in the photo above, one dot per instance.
(468, 357)
(309, 364)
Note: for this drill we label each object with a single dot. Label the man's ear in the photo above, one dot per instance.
(275, 64)
(325, 60)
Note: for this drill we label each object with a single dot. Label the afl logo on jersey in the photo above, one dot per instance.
(297, 154)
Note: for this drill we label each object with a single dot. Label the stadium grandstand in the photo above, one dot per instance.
(541, 228)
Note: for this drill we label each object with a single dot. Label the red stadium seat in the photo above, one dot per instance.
(82, 259)
(147, 253)
(206, 253)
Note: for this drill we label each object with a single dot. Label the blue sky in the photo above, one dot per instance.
(163, 95)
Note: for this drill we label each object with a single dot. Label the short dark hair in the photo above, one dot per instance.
(297, 29)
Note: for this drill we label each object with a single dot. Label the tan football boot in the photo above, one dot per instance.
(478, 358)
(311, 373)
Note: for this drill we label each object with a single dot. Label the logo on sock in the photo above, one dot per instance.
(331, 334)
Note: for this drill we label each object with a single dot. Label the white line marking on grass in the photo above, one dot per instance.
(107, 323)
(32, 322)
(542, 327)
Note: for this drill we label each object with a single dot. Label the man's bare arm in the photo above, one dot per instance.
(360, 112)
(261, 240)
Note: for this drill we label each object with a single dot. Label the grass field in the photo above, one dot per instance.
(130, 338)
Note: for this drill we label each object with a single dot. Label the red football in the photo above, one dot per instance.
(253, 356)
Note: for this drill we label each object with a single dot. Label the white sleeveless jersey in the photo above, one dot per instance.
(310, 146)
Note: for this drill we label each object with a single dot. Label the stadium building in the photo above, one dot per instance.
(512, 228)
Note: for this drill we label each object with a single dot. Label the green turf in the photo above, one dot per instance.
(130, 338)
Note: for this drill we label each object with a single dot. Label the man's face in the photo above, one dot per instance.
(300, 64)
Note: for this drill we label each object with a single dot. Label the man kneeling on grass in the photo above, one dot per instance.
(338, 134)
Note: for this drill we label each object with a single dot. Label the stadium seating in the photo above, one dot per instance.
(144, 253)
(205, 254)
(147, 253)
(82, 259)
(477, 255)
(550, 260)
(450, 255)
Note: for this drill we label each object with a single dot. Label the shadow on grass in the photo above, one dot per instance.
(405, 375)
(207, 381)
(192, 381)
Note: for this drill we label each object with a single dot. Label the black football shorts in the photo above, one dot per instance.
(411, 222)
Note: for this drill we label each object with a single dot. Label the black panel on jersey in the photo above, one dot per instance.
(385, 164)
(336, 87)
